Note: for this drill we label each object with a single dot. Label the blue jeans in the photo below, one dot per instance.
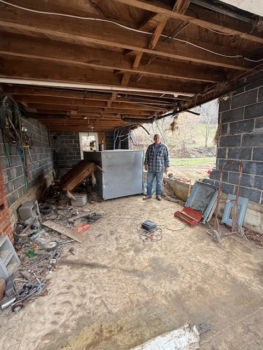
(159, 182)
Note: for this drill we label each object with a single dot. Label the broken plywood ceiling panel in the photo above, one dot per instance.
(64, 231)
(78, 174)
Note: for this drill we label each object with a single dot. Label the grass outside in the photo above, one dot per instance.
(192, 161)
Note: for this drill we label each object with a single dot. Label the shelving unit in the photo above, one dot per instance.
(9, 260)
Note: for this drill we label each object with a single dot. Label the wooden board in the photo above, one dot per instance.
(77, 175)
(64, 231)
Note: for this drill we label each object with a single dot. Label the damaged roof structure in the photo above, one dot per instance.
(107, 64)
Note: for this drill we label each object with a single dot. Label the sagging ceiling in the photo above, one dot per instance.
(101, 64)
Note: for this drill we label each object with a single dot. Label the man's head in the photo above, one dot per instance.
(157, 139)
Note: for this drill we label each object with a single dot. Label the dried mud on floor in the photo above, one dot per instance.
(117, 292)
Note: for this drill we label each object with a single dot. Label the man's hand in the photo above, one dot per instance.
(146, 167)
(166, 170)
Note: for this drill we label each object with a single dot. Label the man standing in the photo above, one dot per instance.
(156, 163)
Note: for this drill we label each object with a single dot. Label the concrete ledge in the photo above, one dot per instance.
(181, 189)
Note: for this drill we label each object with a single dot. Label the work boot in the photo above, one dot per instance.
(146, 197)
(158, 198)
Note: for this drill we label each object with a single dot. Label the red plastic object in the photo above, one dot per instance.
(189, 216)
(82, 228)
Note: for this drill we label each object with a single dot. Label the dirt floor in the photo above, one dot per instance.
(117, 291)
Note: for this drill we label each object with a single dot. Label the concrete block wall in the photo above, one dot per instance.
(66, 149)
(40, 162)
(241, 139)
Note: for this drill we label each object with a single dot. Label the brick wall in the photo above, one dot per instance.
(5, 224)
(66, 149)
(40, 162)
(241, 139)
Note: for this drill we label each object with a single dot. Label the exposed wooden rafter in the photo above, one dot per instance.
(116, 59)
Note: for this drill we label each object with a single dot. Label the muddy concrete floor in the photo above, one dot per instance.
(117, 292)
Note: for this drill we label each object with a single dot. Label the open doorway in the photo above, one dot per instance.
(88, 142)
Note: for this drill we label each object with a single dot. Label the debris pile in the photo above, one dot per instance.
(46, 232)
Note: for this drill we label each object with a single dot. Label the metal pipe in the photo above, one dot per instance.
(79, 85)
(7, 302)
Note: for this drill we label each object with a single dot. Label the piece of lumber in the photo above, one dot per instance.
(77, 175)
(64, 231)
(78, 167)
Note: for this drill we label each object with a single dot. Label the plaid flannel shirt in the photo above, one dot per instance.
(162, 160)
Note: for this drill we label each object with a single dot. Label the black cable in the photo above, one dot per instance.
(179, 229)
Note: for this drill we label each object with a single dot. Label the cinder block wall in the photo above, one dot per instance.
(241, 139)
(66, 149)
(40, 162)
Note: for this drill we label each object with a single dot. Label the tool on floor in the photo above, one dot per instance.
(71, 250)
(149, 226)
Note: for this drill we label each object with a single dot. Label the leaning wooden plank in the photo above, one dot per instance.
(72, 171)
(79, 177)
(76, 171)
(64, 231)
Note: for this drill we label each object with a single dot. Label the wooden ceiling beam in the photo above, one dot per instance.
(109, 35)
(199, 17)
(83, 110)
(78, 103)
(109, 60)
(77, 129)
(36, 91)
(30, 69)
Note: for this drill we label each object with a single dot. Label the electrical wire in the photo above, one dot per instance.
(170, 229)
(30, 156)
(75, 17)
(127, 28)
